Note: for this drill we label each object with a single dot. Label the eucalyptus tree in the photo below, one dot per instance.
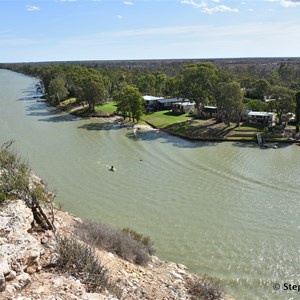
(284, 101)
(297, 111)
(197, 83)
(92, 90)
(172, 87)
(146, 84)
(160, 83)
(57, 91)
(230, 101)
(129, 101)
(262, 88)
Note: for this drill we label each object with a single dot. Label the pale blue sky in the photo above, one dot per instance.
(61, 30)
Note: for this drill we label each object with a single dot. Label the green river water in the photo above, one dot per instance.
(224, 209)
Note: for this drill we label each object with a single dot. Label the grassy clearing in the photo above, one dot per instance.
(108, 107)
(67, 104)
(250, 127)
(162, 119)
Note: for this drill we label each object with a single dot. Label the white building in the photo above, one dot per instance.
(184, 107)
(261, 117)
(151, 100)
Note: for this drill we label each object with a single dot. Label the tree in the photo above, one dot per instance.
(57, 91)
(284, 102)
(262, 88)
(230, 101)
(297, 111)
(160, 83)
(93, 91)
(146, 84)
(129, 101)
(197, 83)
(16, 182)
(171, 87)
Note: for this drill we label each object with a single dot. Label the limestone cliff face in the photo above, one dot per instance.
(25, 256)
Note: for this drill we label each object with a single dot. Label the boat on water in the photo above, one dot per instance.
(112, 168)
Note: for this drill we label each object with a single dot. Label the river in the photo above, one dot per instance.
(230, 210)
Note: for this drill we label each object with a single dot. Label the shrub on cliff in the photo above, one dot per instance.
(115, 241)
(145, 240)
(80, 261)
(16, 182)
(206, 288)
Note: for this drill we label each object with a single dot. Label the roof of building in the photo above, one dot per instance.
(261, 113)
(151, 98)
(210, 109)
(169, 100)
(185, 103)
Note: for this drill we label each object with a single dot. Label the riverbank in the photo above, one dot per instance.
(189, 127)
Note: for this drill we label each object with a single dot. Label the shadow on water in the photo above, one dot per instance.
(168, 138)
(29, 98)
(96, 126)
(30, 92)
(255, 145)
(59, 118)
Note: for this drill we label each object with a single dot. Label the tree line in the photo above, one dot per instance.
(231, 88)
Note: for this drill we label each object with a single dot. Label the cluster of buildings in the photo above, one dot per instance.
(180, 105)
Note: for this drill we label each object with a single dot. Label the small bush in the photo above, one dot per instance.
(145, 240)
(206, 288)
(120, 243)
(80, 261)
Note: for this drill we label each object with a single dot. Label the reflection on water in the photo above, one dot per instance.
(229, 210)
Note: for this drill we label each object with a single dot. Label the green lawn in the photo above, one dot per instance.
(108, 107)
(250, 127)
(67, 104)
(165, 118)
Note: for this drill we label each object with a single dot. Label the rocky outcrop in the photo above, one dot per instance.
(25, 257)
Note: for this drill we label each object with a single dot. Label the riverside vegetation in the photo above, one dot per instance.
(232, 86)
(49, 253)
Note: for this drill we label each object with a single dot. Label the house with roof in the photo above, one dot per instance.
(261, 117)
(184, 107)
(151, 101)
(160, 103)
(167, 103)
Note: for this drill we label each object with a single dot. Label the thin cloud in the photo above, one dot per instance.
(251, 30)
(220, 8)
(206, 9)
(32, 8)
(119, 17)
(194, 4)
(286, 3)
(289, 3)
(128, 3)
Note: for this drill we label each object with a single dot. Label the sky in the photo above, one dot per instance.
(68, 30)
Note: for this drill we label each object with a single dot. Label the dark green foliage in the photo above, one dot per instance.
(206, 288)
(80, 261)
(14, 178)
(57, 91)
(120, 243)
(129, 101)
(297, 111)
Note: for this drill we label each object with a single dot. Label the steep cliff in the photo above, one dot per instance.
(28, 259)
